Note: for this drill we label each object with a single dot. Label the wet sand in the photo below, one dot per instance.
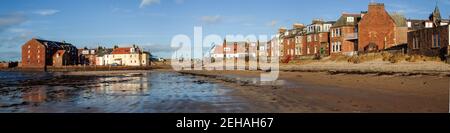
(120, 92)
(221, 91)
(330, 92)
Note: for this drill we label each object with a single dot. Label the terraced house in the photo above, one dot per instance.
(317, 38)
(344, 35)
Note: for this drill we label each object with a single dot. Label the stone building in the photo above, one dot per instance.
(434, 19)
(379, 30)
(430, 40)
(87, 56)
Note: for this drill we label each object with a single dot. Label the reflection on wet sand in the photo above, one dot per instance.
(132, 92)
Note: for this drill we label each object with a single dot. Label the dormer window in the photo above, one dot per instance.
(428, 25)
(227, 49)
(350, 19)
(409, 24)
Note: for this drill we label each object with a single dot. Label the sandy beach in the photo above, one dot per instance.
(165, 90)
(328, 92)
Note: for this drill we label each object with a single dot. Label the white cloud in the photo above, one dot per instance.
(211, 19)
(46, 12)
(7, 21)
(148, 3)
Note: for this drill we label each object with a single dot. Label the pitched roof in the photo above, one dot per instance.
(417, 24)
(125, 50)
(399, 19)
(54, 43)
(102, 52)
(342, 21)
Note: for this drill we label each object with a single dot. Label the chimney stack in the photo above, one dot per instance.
(373, 7)
(282, 30)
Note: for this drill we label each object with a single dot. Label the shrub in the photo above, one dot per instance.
(397, 58)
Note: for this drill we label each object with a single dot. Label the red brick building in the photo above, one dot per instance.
(300, 41)
(288, 43)
(38, 53)
(344, 35)
(317, 38)
(379, 30)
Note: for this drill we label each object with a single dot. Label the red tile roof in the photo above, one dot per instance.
(121, 50)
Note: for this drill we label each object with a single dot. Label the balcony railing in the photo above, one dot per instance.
(351, 36)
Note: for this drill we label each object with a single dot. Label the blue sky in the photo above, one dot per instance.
(153, 23)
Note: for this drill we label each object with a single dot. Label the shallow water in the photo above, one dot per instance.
(154, 91)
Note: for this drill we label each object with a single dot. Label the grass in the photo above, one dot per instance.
(384, 56)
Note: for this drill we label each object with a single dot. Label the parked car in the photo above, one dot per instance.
(161, 59)
(115, 64)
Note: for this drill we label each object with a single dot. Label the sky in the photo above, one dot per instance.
(151, 24)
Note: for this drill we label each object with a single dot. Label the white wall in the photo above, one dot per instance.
(124, 59)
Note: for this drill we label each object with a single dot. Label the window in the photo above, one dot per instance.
(332, 32)
(415, 43)
(339, 47)
(227, 49)
(338, 32)
(428, 25)
(438, 40)
(298, 39)
(436, 43)
(315, 49)
(332, 47)
(307, 51)
(308, 38)
(298, 51)
(350, 19)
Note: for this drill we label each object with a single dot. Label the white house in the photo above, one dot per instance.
(126, 56)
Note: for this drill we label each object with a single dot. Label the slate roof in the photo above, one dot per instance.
(102, 52)
(342, 21)
(399, 19)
